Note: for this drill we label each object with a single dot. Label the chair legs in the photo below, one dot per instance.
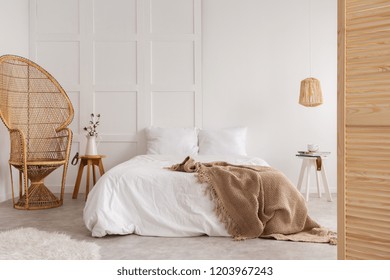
(63, 181)
(12, 185)
(27, 197)
(36, 195)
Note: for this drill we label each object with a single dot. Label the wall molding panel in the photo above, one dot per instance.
(137, 62)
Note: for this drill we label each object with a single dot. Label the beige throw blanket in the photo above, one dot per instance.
(257, 201)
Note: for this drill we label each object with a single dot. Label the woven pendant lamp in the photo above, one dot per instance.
(311, 93)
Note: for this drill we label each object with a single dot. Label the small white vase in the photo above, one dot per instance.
(91, 148)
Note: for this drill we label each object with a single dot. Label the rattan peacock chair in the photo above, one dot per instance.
(36, 111)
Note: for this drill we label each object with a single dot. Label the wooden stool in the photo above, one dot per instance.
(90, 161)
(307, 163)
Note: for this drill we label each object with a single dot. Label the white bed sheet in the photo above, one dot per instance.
(140, 197)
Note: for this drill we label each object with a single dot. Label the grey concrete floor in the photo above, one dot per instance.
(68, 219)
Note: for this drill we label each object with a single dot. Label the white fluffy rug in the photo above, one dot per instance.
(33, 244)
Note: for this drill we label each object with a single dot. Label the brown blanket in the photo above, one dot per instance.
(256, 201)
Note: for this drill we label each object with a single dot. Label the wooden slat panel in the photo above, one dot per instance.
(380, 244)
(368, 63)
(377, 197)
(368, 140)
(360, 255)
(369, 134)
(366, 249)
(366, 168)
(368, 213)
(377, 245)
(378, 181)
(368, 16)
(367, 239)
(379, 115)
(365, 97)
(363, 110)
(370, 166)
(365, 74)
(358, 63)
(374, 88)
(377, 229)
(370, 84)
(357, 42)
(365, 5)
(341, 90)
(373, 188)
(365, 203)
(369, 27)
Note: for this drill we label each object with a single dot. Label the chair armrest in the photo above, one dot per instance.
(62, 142)
(67, 140)
(54, 148)
(18, 151)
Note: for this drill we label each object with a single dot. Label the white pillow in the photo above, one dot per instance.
(171, 141)
(228, 141)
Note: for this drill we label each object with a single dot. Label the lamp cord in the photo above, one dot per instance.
(310, 37)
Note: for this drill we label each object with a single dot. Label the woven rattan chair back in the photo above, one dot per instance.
(36, 110)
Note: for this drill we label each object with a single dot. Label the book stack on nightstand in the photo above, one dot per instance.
(312, 154)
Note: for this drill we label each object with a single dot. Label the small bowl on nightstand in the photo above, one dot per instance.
(313, 147)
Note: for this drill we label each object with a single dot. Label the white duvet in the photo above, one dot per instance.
(139, 196)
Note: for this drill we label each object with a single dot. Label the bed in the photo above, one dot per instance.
(141, 196)
(217, 190)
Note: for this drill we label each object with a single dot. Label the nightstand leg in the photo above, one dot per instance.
(94, 174)
(88, 175)
(308, 165)
(78, 180)
(325, 182)
(318, 182)
(301, 174)
(101, 168)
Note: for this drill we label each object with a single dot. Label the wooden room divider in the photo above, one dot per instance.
(364, 129)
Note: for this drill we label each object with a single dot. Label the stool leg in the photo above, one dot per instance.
(78, 180)
(88, 175)
(325, 182)
(301, 175)
(318, 183)
(308, 165)
(94, 174)
(101, 168)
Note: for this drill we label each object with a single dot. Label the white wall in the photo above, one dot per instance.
(136, 62)
(13, 40)
(255, 53)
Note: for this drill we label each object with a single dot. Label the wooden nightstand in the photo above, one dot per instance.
(90, 162)
(316, 161)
